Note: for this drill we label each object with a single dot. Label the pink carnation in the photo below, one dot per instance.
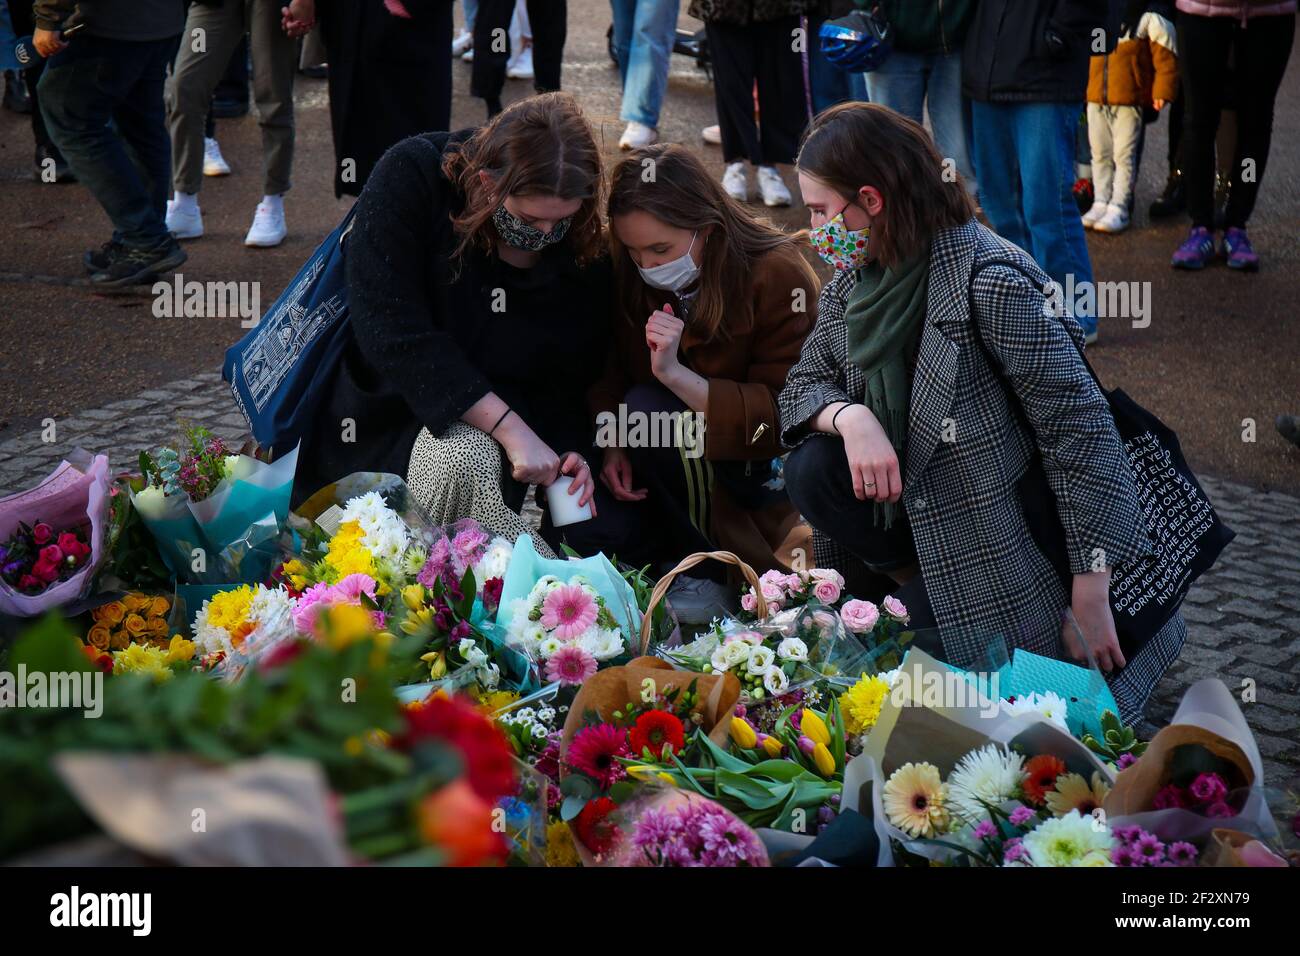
(859, 616)
(467, 548)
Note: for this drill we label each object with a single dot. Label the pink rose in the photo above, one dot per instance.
(748, 601)
(42, 533)
(771, 591)
(827, 591)
(859, 616)
(772, 577)
(827, 574)
(895, 608)
(794, 582)
(51, 554)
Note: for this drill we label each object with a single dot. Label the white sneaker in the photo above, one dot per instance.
(520, 66)
(1095, 212)
(214, 164)
(268, 226)
(735, 183)
(1115, 219)
(772, 187)
(467, 56)
(184, 222)
(637, 135)
(462, 43)
(712, 135)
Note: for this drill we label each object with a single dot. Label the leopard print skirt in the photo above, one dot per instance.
(458, 475)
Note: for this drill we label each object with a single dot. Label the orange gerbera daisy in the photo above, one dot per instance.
(1040, 777)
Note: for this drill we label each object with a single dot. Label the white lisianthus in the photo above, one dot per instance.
(775, 681)
(465, 646)
(760, 659)
(792, 649)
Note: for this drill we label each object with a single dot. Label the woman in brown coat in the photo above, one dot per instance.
(714, 306)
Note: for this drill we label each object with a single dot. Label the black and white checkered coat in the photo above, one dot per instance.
(983, 573)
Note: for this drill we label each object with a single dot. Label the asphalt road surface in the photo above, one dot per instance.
(1220, 352)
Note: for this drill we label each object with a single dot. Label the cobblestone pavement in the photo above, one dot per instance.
(1243, 616)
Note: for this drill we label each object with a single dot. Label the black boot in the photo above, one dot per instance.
(1174, 198)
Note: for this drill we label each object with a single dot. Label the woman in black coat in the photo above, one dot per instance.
(479, 296)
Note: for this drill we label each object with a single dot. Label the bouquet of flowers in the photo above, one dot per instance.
(134, 618)
(241, 623)
(567, 626)
(679, 828)
(822, 587)
(36, 557)
(767, 663)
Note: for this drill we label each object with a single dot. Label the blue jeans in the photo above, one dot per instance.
(470, 8)
(1024, 158)
(103, 103)
(644, 31)
(906, 82)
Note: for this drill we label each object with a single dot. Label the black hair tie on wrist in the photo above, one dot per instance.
(499, 421)
(837, 415)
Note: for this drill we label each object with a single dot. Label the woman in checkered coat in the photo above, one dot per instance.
(946, 431)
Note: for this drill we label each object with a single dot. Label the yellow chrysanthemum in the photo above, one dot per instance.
(493, 701)
(230, 609)
(142, 659)
(559, 846)
(860, 704)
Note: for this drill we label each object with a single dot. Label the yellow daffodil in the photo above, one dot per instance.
(814, 728)
(743, 734)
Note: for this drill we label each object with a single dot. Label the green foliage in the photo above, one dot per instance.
(1116, 739)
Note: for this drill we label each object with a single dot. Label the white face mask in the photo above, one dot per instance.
(672, 276)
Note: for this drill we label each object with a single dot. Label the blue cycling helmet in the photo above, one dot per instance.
(857, 43)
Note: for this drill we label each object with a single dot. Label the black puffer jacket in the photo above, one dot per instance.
(1035, 50)
(745, 12)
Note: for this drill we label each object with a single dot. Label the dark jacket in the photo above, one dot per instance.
(926, 26)
(426, 341)
(1034, 50)
(134, 20)
(745, 12)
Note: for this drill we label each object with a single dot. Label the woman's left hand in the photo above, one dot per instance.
(1090, 604)
(663, 333)
(571, 463)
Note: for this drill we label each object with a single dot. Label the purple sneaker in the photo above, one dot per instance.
(1197, 249)
(1236, 249)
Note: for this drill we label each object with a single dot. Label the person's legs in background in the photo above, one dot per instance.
(732, 50)
(998, 170)
(89, 91)
(830, 84)
(1173, 198)
(549, 24)
(464, 41)
(491, 52)
(644, 31)
(1204, 44)
(782, 104)
(49, 161)
(275, 61)
(1124, 143)
(1263, 49)
(1103, 162)
(900, 82)
(950, 115)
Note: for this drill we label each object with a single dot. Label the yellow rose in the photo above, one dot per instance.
(135, 602)
(159, 606)
(158, 628)
(99, 637)
(134, 624)
(110, 614)
(120, 641)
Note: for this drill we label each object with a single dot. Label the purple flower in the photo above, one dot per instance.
(1021, 815)
(984, 829)
(1149, 849)
(1182, 853)
(1125, 761)
(1122, 855)
(1209, 788)
(1128, 834)
(1220, 811)
(727, 841)
(1169, 797)
(1013, 850)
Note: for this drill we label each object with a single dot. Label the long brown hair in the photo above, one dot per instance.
(852, 145)
(682, 194)
(540, 146)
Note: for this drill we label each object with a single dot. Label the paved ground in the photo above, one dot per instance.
(1220, 349)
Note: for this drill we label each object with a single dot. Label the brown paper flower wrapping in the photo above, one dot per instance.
(1135, 789)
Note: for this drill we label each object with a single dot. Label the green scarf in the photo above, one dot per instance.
(883, 318)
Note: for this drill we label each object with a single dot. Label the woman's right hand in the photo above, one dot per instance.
(531, 460)
(873, 463)
(616, 473)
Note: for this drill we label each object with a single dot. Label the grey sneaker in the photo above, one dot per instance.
(699, 600)
(128, 265)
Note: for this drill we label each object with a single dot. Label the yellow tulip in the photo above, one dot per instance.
(743, 734)
(413, 596)
(812, 727)
(822, 758)
(667, 778)
(437, 664)
(772, 746)
(640, 772)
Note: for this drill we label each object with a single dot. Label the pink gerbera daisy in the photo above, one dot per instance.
(571, 665)
(568, 611)
(595, 750)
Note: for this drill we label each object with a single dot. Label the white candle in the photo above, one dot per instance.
(563, 506)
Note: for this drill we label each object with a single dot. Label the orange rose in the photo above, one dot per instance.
(119, 641)
(99, 636)
(158, 628)
(135, 625)
(135, 602)
(159, 606)
(110, 614)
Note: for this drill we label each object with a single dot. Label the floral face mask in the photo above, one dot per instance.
(838, 245)
(515, 232)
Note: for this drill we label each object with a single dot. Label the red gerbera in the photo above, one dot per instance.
(654, 730)
(595, 750)
(1040, 777)
(489, 763)
(594, 828)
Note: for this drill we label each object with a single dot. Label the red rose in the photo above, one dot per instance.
(68, 543)
(42, 533)
(52, 554)
(45, 572)
(27, 582)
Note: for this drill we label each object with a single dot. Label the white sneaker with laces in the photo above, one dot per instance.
(1095, 212)
(214, 164)
(467, 56)
(268, 226)
(699, 600)
(712, 135)
(463, 42)
(1115, 219)
(772, 187)
(184, 220)
(520, 66)
(637, 135)
(735, 183)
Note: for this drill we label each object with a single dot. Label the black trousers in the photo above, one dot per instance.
(549, 22)
(762, 53)
(1261, 51)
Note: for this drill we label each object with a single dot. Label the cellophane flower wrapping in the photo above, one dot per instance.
(669, 827)
(75, 494)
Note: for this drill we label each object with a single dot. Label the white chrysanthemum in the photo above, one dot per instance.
(549, 646)
(541, 589)
(1071, 840)
(760, 659)
(792, 649)
(602, 643)
(495, 560)
(1050, 705)
(364, 507)
(210, 639)
(775, 680)
(989, 774)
